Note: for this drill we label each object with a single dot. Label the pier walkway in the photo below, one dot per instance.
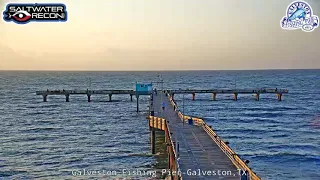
(195, 151)
(199, 155)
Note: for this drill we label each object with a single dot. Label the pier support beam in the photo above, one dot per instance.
(257, 95)
(172, 95)
(131, 97)
(193, 96)
(137, 103)
(153, 141)
(45, 98)
(214, 96)
(110, 97)
(67, 98)
(89, 97)
(235, 95)
(279, 96)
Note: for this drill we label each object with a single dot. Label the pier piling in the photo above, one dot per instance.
(131, 97)
(235, 96)
(67, 98)
(193, 96)
(45, 98)
(153, 141)
(110, 97)
(279, 96)
(137, 103)
(89, 97)
(257, 95)
(214, 96)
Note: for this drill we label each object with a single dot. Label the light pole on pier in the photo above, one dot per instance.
(89, 86)
(161, 81)
(182, 107)
(235, 83)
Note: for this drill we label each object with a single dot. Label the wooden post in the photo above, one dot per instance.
(67, 98)
(110, 97)
(257, 96)
(89, 97)
(165, 135)
(279, 95)
(235, 96)
(45, 98)
(193, 96)
(153, 141)
(214, 95)
(131, 97)
(166, 131)
(169, 159)
(137, 103)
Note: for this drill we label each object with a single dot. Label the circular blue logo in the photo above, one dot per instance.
(298, 10)
(299, 16)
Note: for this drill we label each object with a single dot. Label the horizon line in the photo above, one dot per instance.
(35, 70)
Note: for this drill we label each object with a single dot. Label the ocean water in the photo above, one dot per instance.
(52, 140)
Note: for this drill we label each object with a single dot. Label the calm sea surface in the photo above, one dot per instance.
(50, 140)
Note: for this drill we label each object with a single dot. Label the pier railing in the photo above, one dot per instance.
(158, 123)
(236, 160)
(161, 124)
(175, 155)
(244, 91)
(64, 92)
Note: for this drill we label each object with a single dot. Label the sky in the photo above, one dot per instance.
(108, 35)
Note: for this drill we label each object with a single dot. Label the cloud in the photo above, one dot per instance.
(10, 59)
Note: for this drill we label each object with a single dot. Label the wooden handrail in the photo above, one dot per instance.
(237, 161)
(160, 123)
(174, 153)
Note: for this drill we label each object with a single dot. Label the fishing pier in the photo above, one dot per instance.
(194, 150)
(132, 93)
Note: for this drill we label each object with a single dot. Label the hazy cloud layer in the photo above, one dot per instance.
(161, 34)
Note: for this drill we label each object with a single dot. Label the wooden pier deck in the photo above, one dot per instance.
(201, 154)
